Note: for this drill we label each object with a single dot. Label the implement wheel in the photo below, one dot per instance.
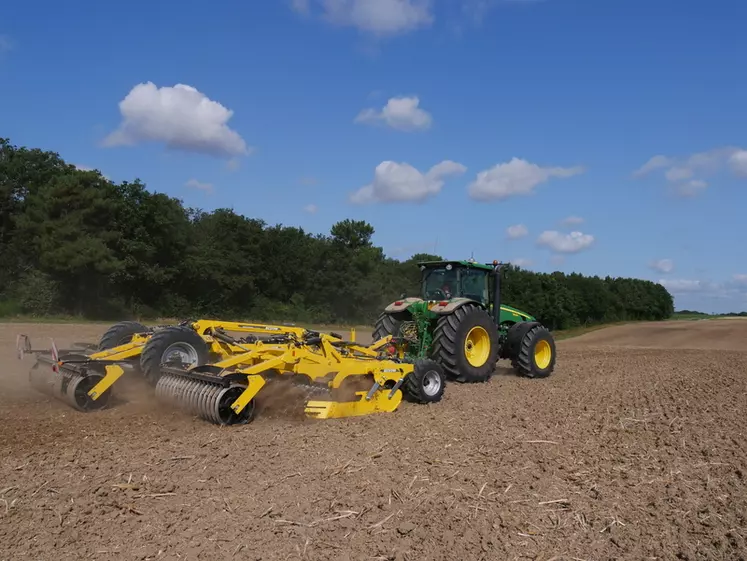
(466, 344)
(425, 384)
(120, 334)
(175, 343)
(536, 354)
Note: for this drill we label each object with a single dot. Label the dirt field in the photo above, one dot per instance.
(634, 449)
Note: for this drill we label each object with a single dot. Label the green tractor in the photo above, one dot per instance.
(459, 322)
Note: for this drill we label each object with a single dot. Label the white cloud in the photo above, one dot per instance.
(516, 177)
(181, 117)
(401, 113)
(678, 173)
(690, 188)
(572, 221)
(734, 287)
(565, 243)
(311, 209)
(400, 182)
(738, 163)
(684, 285)
(521, 262)
(657, 162)
(88, 168)
(686, 174)
(662, 265)
(517, 231)
(377, 17)
(301, 6)
(199, 185)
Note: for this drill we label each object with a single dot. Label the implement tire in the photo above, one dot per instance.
(165, 343)
(466, 344)
(120, 333)
(536, 353)
(425, 384)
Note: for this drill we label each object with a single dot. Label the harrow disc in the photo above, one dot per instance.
(211, 401)
(68, 386)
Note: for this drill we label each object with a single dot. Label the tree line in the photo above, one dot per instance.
(73, 242)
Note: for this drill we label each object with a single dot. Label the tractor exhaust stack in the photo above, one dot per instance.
(497, 292)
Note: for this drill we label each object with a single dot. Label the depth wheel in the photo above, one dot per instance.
(223, 413)
(425, 384)
(175, 343)
(466, 344)
(77, 393)
(536, 357)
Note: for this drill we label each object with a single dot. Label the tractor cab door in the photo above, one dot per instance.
(475, 286)
(440, 283)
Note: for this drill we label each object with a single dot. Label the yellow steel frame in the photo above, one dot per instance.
(318, 364)
(233, 355)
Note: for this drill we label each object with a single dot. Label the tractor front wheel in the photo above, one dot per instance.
(536, 354)
(466, 344)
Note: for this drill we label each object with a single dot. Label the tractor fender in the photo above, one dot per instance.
(401, 305)
(449, 307)
(514, 337)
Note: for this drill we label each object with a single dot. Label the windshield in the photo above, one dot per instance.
(440, 284)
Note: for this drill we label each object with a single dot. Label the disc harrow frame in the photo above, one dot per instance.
(91, 373)
(225, 393)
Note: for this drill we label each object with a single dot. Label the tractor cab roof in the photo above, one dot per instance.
(455, 264)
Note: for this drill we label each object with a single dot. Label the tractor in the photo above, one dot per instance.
(459, 322)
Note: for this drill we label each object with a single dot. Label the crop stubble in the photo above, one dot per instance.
(633, 449)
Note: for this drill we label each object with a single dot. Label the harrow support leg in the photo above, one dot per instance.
(255, 383)
(85, 391)
(113, 373)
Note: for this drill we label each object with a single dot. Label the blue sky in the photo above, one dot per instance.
(444, 123)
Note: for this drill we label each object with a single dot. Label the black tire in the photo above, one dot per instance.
(527, 363)
(425, 384)
(120, 333)
(449, 339)
(388, 324)
(153, 353)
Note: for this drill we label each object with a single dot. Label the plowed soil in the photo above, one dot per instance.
(635, 448)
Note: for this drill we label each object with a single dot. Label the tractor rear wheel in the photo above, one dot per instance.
(388, 324)
(173, 343)
(425, 384)
(466, 344)
(536, 354)
(120, 333)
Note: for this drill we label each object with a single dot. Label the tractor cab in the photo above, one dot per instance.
(445, 280)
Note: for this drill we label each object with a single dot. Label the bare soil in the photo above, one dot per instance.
(634, 449)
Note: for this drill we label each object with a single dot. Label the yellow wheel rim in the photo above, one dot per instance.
(477, 346)
(542, 354)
